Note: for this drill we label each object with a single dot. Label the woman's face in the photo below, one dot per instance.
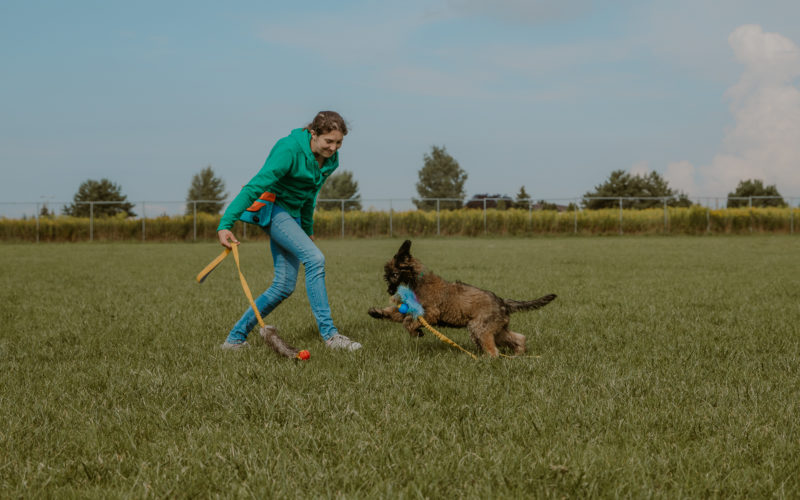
(326, 144)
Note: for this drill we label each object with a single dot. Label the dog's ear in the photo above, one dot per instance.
(404, 252)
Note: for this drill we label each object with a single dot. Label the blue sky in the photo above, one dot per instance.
(549, 95)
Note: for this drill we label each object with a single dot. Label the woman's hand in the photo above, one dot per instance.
(226, 237)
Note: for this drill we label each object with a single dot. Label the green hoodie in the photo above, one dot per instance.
(293, 174)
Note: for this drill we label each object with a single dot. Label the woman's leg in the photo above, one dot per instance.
(285, 232)
(286, 267)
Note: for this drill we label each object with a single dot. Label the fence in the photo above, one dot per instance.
(85, 228)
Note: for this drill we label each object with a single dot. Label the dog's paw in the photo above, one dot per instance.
(375, 313)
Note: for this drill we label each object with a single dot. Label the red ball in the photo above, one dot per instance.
(304, 355)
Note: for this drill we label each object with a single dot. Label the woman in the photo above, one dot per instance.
(280, 199)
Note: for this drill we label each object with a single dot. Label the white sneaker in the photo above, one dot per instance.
(227, 346)
(339, 341)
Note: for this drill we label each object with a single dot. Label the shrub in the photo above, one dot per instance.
(413, 223)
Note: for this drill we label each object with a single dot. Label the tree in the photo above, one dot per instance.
(340, 186)
(500, 202)
(103, 191)
(208, 191)
(523, 199)
(755, 187)
(546, 205)
(623, 184)
(440, 177)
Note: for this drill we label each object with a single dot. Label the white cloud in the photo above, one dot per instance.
(691, 35)
(764, 142)
(681, 176)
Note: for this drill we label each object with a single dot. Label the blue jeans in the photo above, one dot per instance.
(290, 246)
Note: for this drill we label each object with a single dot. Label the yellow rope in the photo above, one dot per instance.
(443, 338)
(202, 275)
(446, 340)
(246, 288)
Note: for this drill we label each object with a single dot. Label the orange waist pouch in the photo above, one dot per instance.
(260, 211)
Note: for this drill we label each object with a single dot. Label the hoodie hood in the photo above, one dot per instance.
(303, 138)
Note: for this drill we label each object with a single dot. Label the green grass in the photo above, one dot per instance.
(667, 367)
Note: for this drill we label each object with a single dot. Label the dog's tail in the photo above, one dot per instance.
(527, 305)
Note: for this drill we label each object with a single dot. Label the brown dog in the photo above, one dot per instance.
(454, 304)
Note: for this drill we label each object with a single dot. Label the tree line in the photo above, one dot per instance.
(440, 178)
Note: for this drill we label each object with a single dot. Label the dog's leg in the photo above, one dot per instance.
(413, 326)
(513, 340)
(483, 335)
(390, 313)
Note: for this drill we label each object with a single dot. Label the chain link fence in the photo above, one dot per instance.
(152, 212)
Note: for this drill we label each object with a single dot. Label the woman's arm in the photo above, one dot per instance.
(278, 163)
(226, 238)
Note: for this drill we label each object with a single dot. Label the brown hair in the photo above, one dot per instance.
(325, 121)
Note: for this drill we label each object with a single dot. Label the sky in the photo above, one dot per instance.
(552, 96)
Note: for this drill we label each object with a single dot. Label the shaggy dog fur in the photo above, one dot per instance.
(454, 304)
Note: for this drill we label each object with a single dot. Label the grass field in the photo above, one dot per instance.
(667, 367)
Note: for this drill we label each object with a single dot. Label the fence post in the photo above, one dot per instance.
(708, 220)
(37, 222)
(620, 216)
(576, 217)
(485, 231)
(342, 218)
(438, 224)
(665, 215)
(91, 221)
(144, 217)
(391, 212)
